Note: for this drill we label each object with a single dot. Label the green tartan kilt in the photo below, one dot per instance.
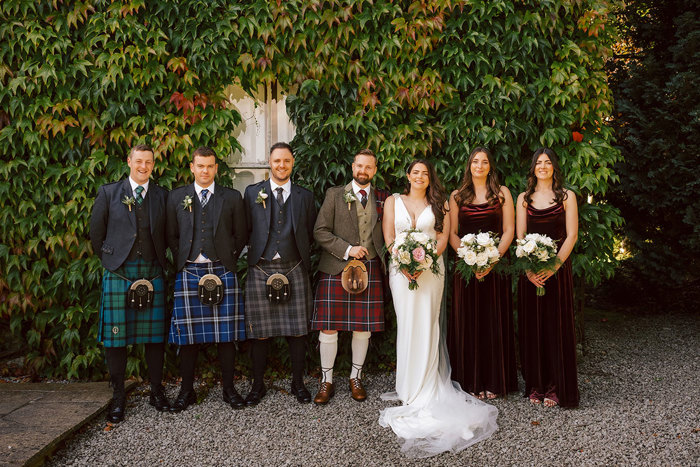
(120, 325)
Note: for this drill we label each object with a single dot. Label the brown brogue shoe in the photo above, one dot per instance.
(357, 390)
(324, 394)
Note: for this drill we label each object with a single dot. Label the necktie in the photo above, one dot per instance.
(205, 199)
(280, 198)
(363, 198)
(139, 197)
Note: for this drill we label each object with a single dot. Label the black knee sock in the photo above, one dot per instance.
(116, 362)
(155, 354)
(258, 354)
(188, 360)
(297, 353)
(227, 360)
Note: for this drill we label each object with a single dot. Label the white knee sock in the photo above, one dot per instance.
(329, 348)
(360, 343)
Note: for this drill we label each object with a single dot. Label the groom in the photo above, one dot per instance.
(349, 226)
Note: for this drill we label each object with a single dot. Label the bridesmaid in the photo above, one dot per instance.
(481, 340)
(546, 324)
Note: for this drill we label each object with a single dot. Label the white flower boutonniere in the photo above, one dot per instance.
(187, 203)
(129, 201)
(262, 196)
(349, 197)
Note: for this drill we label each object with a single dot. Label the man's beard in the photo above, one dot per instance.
(362, 181)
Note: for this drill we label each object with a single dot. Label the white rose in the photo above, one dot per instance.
(542, 255)
(482, 259)
(400, 239)
(548, 241)
(404, 257)
(428, 261)
(469, 238)
(461, 251)
(493, 252)
(421, 238)
(484, 239)
(470, 258)
(519, 252)
(529, 246)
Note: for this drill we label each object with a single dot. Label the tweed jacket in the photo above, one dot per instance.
(258, 216)
(337, 227)
(113, 224)
(230, 226)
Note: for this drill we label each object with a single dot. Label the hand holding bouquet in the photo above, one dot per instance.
(536, 253)
(414, 251)
(478, 253)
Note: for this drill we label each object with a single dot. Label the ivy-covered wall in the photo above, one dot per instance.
(82, 81)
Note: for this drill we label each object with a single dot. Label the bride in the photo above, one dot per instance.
(435, 415)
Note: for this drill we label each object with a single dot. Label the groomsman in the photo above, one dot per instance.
(281, 219)
(206, 231)
(349, 226)
(127, 232)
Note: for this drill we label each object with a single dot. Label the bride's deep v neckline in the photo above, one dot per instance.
(414, 222)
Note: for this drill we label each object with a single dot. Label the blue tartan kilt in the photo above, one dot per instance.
(195, 323)
(120, 325)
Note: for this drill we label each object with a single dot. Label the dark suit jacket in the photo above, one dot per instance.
(303, 217)
(113, 226)
(337, 227)
(230, 226)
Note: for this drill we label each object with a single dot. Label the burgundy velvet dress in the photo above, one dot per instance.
(481, 340)
(546, 324)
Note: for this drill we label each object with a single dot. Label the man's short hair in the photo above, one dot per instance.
(366, 152)
(205, 151)
(281, 146)
(140, 147)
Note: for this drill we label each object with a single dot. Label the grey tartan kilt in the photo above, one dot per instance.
(266, 319)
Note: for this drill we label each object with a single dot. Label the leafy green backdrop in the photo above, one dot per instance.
(81, 82)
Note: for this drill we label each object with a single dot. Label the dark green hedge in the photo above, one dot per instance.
(83, 81)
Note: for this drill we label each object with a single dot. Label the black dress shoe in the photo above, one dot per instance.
(303, 394)
(255, 395)
(115, 413)
(158, 399)
(184, 400)
(232, 397)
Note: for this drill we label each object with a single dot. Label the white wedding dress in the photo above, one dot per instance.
(435, 415)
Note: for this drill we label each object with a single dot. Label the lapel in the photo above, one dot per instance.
(372, 203)
(217, 200)
(187, 215)
(352, 212)
(295, 205)
(266, 211)
(128, 193)
(152, 205)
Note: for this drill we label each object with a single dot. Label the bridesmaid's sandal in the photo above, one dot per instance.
(490, 395)
(535, 398)
(551, 400)
(481, 396)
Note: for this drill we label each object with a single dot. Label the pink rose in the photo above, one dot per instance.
(418, 254)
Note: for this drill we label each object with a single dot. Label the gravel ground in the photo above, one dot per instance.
(639, 391)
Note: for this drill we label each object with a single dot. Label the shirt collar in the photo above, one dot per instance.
(198, 189)
(287, 187)
(356, 188)
(134, 185)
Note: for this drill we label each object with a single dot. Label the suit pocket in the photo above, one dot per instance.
(107, 249)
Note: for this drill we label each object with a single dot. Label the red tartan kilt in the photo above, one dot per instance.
(335, 309)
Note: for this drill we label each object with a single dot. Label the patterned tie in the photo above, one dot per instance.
(363, 199)
(139, 197)
(205, 199)
(280, 198)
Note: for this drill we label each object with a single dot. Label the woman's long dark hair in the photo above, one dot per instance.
(465, 193)
(435, 194)
(557, 177)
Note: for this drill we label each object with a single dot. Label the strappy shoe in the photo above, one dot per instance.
(535, 398)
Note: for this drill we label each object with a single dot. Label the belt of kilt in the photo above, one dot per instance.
(336, 309)
(195, 323)
(265, 319)
(120, 325)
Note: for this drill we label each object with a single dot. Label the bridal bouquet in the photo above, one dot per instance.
(414, 251)
(478, 252)
(535, 252)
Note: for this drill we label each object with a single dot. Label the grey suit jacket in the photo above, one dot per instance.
(337, 227)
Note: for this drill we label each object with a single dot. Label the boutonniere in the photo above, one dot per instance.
(187, 203)
(262, 196)
(349, 197)
(129, 201)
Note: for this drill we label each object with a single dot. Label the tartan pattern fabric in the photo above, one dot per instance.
(336, 309)
(195, 323)
(265, 319)
(119, 325)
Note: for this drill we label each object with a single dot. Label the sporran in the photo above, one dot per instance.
(210, 290)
